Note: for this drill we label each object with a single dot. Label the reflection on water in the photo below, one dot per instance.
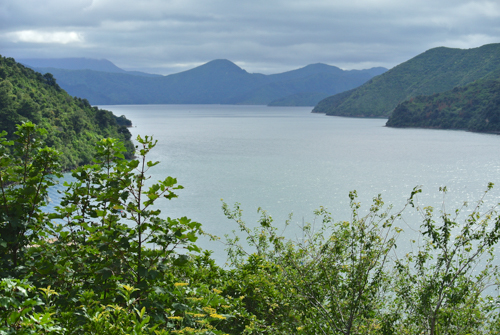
(285, 159)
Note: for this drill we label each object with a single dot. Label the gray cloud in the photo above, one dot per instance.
(168, 36)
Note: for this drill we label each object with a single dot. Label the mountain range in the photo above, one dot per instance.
(217, 82)
(434, 71)
(81, 63)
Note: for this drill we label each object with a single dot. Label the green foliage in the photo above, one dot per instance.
(344, 278)
(474, 107)
(109, 219)
(333, 278)
(115, 319)
(123, 121)
(72, 125)
(18, 313)
(436, 70)
(24, 180)
(440, 286)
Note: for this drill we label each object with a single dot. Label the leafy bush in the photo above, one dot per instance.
(109, 264)
(343, 278)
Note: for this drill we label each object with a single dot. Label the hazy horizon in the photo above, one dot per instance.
(167, 37)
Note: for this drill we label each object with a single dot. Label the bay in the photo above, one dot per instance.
(288, 160)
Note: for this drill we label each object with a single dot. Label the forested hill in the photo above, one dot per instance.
(474, 107)
(217, 82)
(434, 71)
(73, 124)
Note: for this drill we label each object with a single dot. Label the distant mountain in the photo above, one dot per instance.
(102, 65)
(217, 82)
(313, 80)
(474, 107)
(434, 71)
(299, 99)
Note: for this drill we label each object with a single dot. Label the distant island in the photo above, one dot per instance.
(217, 82)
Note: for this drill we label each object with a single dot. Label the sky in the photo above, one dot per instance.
(261, 36)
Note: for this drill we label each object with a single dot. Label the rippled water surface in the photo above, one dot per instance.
(287, 160)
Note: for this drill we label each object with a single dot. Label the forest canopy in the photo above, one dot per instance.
(73, 125)
(474, 107)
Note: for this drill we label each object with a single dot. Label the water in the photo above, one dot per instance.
(287, 160)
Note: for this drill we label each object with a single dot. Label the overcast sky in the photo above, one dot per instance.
(265, 36)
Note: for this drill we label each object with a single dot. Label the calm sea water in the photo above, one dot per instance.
(288, 160)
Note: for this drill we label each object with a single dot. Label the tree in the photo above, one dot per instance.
(24, 180)
(51, 81)
(110, 224)
(440, 287)
(339, 272)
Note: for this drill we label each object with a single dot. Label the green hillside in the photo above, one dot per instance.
(73, 124)
(332, 102)
(474, 107)
(434, 71)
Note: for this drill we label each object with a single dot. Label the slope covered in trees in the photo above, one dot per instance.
(216, 82)
(73, 124)
(434, 71)
(474, 107)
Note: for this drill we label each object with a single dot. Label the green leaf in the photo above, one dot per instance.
(180, 307)
(181, 260)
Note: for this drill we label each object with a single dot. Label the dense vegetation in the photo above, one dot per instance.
(216, 82)
(73, 125)
(474, 107)
(434, 71)
(111, 264)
